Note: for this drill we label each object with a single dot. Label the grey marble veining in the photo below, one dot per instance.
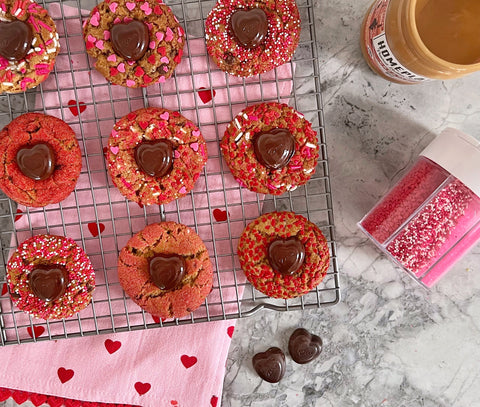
(389, 342)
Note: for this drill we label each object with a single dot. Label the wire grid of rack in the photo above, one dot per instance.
(95, 201)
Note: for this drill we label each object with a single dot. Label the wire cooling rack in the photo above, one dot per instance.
(218, 210)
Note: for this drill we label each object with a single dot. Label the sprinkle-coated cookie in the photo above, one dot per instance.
(270, 148)
(166, 270)
(283, 254)
(155, 155)
(28, 47)
(50, 277)
(135, 43)
(249, 37)
(40, 160)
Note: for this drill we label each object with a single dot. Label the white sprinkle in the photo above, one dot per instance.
(247, 135)
(237, 123)
(310, 145)
(51, 50)
(239, 136)
(19, 10)
(7, 83)
(245, 116)
(308, 171)
(177, 139)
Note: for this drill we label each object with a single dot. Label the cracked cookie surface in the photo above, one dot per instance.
(253, 254)
(26, 131)
(166, 238)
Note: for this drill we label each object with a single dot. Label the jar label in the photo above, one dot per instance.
(379, 53)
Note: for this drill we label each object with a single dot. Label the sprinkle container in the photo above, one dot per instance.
(431, 217)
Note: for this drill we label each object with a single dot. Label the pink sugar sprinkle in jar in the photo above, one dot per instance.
(431, 217)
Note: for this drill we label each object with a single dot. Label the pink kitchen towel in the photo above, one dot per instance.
(173, 366)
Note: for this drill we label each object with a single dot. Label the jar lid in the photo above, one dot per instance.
(459, 154)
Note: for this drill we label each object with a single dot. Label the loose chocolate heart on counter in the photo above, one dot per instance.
(15, 39)
(48, 282)
(304, 346)
(270, 365)
(167, 270)
(274, 148)
(155, 157)
(286, 255)
(36, 161)
(249, 27)
(130, 40)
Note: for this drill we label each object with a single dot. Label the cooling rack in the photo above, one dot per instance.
(102, 221)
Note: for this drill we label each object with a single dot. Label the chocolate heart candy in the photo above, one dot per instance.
(130, 40)
(36, 161)
(167, 270)
(270, 365)
(274, 148)
(155, 157)
(286, 255)
(48, 282)
(249, 27)
(304, 346)
(15, 39)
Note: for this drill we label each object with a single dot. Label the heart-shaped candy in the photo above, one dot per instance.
(36, 161)
(167, 270)
(274, 148)
(15, 39)
(286, 256)
(130, 40)
(249, 27)
(48, 282)
(270, 365)
(155, 157)
(304, 346)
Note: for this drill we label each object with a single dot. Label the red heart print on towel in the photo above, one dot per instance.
(112, 346)
(230, 330)
(20, 214)
(20, 397)
(174, 402)
(72, 105)
(188, 361)
(142, 388)
(214, 401)
(38, 399)
(53, 401)
(37, 331)
(4, 289)
(219, 215)
(4, 394)
(206, 94)
(94, 229)
(65, 374)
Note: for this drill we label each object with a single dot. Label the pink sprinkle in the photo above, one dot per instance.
(44, 25)
(95, 19)
(130, 63)
(113, 7)
(180, 40)
(176, 154)
(114, 149)
(146, 8)
(130, 6)
(4, 7)
(306, 151)
(159, 35)
(126, 183)
(152, 45)
(196, 133)
(183, 190)
(42, 69)
(180, 31)
(127, 19)
(99, 44)
(23, 83)
(251, 117)
(165, 68)
(48, 42)
(270, 186)
(114, 133)
(169, 34)
(34, 23)
(149, 25)
(165, 115)
(130, 83)
(295, 167)
(106, 35)
(117, 20)
(121, 67)
(164, 60)
(194, 146)
(112, 58)
(162, 79)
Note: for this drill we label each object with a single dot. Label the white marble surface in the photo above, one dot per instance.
(389, 342)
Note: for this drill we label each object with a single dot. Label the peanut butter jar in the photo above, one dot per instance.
(412, 41)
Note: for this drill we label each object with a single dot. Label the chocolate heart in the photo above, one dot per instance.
(155, 157)
(15, 39)
(130, 40)
(270, 365)
(167, 270)
(304, 346)
(48, 282)
(274, 148)
(249, 27)
(36, 161)
(286, 255)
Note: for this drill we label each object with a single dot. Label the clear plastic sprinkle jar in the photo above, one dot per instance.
(431, 217)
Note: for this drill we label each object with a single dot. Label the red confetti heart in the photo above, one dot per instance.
(65, 374)
(18, 216)
(37, 330)
(112, 346)
(214, 401)
(72, 105)
(4, 289)
(38, 399)
(230, 330)
(206, 94)
(4, 393)
(94, 229)
(188, 361)
(20, 397)
(219, 215)
(55, 401)
(142, 388)
(140, 205)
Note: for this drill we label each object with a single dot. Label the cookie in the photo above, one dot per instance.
(166, 270)
(249, 37)
(135, 43)
(28, 47)
(283, 254)
(270, 148)
(40, 160)
(155, 155)
(50, 277)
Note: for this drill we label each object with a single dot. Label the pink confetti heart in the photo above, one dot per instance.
(130, 83)
(114, 150)
(196, 133)
(146, 8)
(99, 44)
(194, 146)
(117, 20)
(169, 34)
(165, 115)
(183, 190)
(95, 19)
(130, 6)
(106, 35)
(91, 38)
(113, 7)
(165, 68)
(127, 19)
(112, 58)
(164, 60)
(176, 154)
(121, 67)
(152, 45)
(159, 35)
(162, 79)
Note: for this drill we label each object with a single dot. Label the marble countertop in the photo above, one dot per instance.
(389, 342)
